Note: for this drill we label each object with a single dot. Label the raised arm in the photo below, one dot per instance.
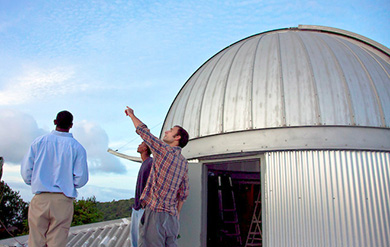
(152, 141)
(130, 112)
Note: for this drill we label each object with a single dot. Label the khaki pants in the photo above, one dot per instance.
(49, 219)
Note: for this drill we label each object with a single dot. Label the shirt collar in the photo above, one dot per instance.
(64, 134)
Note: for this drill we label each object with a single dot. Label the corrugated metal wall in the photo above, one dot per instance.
(327, 198)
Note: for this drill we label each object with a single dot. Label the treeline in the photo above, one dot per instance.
(115, 209)
(14, 211)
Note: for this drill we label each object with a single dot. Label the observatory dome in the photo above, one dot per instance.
(309, 76)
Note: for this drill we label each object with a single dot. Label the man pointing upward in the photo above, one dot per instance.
(167, 187)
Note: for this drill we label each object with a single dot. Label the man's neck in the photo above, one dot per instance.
(62, 130)
(144, 156)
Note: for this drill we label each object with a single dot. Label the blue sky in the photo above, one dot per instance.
(95, 57)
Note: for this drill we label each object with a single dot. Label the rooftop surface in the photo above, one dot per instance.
(114, 233)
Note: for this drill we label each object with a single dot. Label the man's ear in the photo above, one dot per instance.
(55, 122)
(177, 137)
(71, 125)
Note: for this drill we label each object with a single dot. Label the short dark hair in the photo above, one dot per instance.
(64, 120)
(183, 136)
(149, 152)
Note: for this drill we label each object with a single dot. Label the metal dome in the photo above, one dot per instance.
(305, 76)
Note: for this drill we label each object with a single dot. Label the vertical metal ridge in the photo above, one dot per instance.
(388, 75)
(226, 83)
(188, 98)
(327, 198)
(313, 81)
(204, 90)
(380, 64)
(375, 91)
(253, 72)
(283, 99)
(344, 82)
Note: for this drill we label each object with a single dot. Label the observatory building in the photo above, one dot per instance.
(289, 142)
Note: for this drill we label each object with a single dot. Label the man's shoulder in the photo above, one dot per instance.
(41, 138)
(148, 162)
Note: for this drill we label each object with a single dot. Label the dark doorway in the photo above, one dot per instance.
(233, 190)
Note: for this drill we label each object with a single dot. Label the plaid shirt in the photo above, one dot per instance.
(168, 180)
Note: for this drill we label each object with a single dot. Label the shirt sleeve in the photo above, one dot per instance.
(80, 170)
(184, 188)
(154, 143)
(27, 165)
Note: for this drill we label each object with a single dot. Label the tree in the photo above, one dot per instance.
(116, 209)
(13, 211)
(86, 211)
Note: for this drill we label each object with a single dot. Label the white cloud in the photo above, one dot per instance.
(17, 131)
(95, 141)
(38, 83)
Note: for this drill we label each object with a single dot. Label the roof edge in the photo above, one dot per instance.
(348, 34)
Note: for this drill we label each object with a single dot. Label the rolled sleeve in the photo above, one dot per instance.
(184, 189)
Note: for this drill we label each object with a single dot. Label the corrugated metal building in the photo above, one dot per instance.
(300, 117)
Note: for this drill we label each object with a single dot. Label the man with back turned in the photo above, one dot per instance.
(55, 166)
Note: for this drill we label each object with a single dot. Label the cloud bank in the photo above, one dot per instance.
(95, 141)
(18, 130)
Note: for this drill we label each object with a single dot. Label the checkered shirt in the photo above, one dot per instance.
(168, 180)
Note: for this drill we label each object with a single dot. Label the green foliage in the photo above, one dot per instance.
(86, 211)
(13, 211)
(90, 211)
(116, 209)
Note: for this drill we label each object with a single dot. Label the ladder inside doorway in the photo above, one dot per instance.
(227, 209)
(255, 235)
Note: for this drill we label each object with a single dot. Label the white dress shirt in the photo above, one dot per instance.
(55, 162)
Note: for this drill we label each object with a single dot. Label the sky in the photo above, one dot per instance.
(94, 58)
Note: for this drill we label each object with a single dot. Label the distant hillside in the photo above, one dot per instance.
(115, 209)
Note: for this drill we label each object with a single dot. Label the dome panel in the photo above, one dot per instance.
(331, 94)
(213, 104)
(268, 104)
(363, 99)
(306, 76)
(238, 90)
(299, 95)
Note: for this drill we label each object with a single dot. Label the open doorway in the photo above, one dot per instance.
(233, 200)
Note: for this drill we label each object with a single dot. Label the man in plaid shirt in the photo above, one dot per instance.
(167, 186)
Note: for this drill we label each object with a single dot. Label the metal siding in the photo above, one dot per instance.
(327, 198)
